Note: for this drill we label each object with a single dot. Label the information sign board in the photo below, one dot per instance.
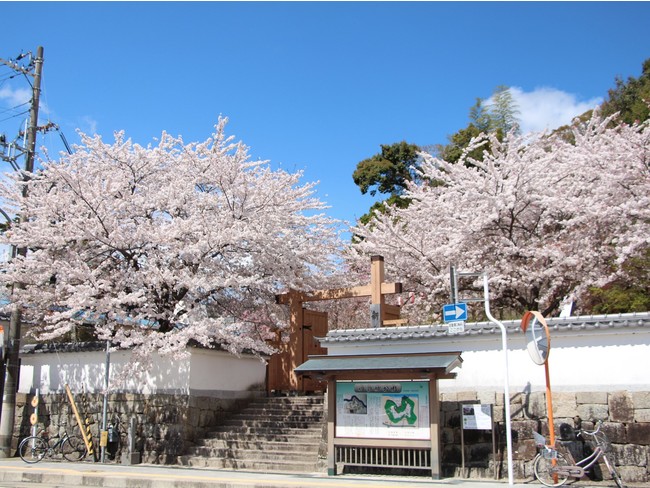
(383, 410)
(477, 416)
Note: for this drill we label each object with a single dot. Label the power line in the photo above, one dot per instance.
(14, 108)
(14, 116)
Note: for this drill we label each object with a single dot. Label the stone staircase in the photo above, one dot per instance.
(280, 434)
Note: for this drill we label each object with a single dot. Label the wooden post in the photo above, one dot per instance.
(434, 420)
(331, 426)
(85, 434)
(377, 300)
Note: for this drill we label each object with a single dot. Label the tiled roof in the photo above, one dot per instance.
(562, 325)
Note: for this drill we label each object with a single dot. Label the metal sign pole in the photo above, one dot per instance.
(462, 443)
(506, 388)
(454, 284)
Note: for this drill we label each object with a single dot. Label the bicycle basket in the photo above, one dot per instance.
(599, 439)
(549, 453)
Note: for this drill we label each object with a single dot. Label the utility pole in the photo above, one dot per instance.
(12, 365)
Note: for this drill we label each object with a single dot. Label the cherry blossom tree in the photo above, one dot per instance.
(545, 216)
(159, 246)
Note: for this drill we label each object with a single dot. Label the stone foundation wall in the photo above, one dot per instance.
(625, 416)
(165, 424)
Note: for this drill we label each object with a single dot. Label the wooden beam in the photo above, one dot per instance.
(336, 293)
(395, 322)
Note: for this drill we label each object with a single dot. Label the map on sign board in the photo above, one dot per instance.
(401, 410)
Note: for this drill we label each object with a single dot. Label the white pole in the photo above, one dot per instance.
(506, 387)
(105, 406)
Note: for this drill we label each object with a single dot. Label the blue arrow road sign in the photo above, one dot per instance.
(454, 311)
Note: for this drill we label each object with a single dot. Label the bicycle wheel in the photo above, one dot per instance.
(613, 473)
(32, 449)
(74, 449)
(545, 470)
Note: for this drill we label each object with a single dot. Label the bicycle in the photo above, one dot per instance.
(552, 468)
(35, 447)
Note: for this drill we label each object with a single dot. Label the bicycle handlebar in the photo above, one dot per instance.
(598, 424)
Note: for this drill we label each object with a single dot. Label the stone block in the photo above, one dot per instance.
(526, 450)
(480, 454)
(451, 455)
(448, 406)
(498, 413)
(633, 474)
(641, 399)
(467, 396)
(638, 433)
(621, 407)
(642, 415)
(564, 404)
(616, 432)
(449, 397)
(194, 418)
(631, 455)
(204, 403)
(596, 397)
(525, 428)
(487, 397)
(454, 420)
(592, 411)
(206, 418)
(535, 405)
(499, 399)
(447, 435)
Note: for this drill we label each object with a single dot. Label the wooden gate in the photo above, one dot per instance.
(314, 326)
(302, 342)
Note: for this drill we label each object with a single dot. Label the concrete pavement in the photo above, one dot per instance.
(14, 473)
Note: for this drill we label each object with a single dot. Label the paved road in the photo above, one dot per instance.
(14, 473)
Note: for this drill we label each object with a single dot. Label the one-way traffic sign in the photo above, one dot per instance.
(454, 312)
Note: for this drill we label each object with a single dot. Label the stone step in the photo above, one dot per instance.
(265, 423)
(284, 412)
(265, 431)
(255, 442)
(270, 454)
(281, 413)
(260, 407)
(273, 434)
(249, 464)
(214, 445)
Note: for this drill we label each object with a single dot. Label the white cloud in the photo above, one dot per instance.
(545, 109)
(89, 125)
(15, 97)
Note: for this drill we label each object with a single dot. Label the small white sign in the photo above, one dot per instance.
(477, 417)
(455, 327)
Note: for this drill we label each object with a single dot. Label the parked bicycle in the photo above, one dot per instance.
(553, 468)
(34, 448)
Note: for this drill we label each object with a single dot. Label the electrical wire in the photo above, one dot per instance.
(13, 108)
(14, 116)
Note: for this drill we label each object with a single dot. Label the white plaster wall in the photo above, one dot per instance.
(580, 360)
(86, 371)
(599, 368)
(218, 370)
(201, 371)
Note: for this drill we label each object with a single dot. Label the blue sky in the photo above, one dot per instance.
(314, 86)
